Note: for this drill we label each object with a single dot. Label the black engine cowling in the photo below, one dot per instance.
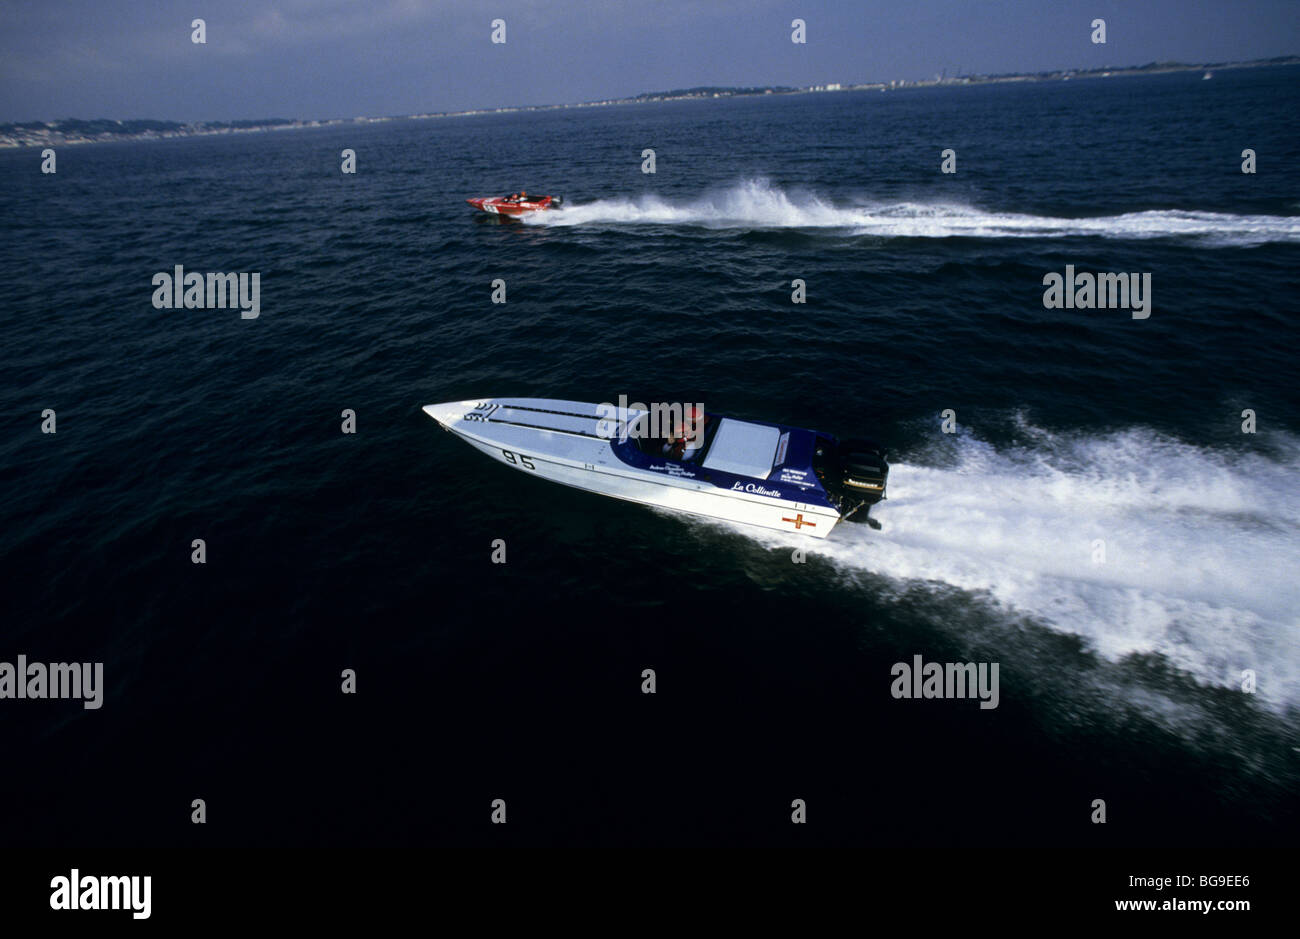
(854, 473)
(864, 471)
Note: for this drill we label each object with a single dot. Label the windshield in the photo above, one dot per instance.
(744, 449)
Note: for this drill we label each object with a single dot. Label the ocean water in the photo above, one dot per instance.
(476, 681)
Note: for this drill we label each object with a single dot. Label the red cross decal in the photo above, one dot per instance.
(799, 521)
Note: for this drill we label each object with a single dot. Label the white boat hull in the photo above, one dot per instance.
(564, 449)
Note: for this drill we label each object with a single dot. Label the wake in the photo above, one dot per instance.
(756, 204)
(1134, 542)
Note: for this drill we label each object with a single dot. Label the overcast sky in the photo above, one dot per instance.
(346, 58)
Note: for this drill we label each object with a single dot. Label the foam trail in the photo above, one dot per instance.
(756, 204)
(1202, 550)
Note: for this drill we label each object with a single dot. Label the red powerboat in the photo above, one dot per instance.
(516, 204)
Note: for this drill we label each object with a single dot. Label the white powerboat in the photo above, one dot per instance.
(769, 475)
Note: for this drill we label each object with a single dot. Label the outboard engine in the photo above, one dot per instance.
(854, 473)
(864, 470)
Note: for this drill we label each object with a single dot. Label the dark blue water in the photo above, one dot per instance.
(1119, 680)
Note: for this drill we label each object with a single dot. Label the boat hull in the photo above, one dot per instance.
(509, 209)
(564, 442)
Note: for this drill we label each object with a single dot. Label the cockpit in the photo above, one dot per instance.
(721, 443)
(673, 433)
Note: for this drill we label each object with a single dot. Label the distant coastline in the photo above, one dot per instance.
(76, 131)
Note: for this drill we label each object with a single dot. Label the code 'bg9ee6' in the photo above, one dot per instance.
(1224, 880)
